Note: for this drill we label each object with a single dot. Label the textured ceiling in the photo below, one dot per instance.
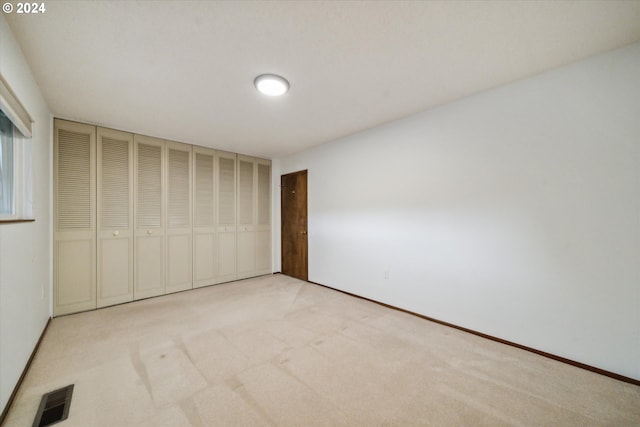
(184, 70)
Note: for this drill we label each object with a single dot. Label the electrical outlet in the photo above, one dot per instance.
(386, 274)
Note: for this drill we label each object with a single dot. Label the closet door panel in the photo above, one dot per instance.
(179, 262)
(263, 217)
(149, 217)
(203, 266)
(204, 225)
(115, 271)
(246, 254)
(246, 217)
(226, 216)
(74, 272)
(179, 229)
(149, 273)
(263, 252)
(115, 217)
(246, 191)
(74, 256)
(226, 256)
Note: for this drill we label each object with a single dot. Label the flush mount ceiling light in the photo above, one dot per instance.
(271, 84)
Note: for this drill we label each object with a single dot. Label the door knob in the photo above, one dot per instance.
(303, 232)
(149, 231)
(115, 233)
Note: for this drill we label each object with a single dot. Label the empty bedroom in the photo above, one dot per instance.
(336, 213)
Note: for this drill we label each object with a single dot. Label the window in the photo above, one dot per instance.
(15, 157)
(7, 182)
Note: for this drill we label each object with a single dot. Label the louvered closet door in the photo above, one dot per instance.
(74, 217)
(179, 273)
(149, 217)
(226, 216)
(204, 226)
(115, 217)
(263, 217)
(246, 217)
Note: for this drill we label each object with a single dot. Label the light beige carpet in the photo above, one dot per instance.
(278, 351)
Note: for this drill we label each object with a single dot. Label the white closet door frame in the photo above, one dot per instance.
(115, 241)
(74, 254)
(150, 240)
(204, 229)
(179, 237)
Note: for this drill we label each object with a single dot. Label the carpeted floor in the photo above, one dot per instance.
(278, 351)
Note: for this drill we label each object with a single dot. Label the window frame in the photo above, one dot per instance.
(12, 108)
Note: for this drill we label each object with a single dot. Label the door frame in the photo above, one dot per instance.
(302, 237)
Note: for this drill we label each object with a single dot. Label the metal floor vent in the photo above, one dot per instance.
(54, 407)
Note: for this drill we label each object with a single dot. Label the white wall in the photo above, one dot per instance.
(25, 249)
(515, 212)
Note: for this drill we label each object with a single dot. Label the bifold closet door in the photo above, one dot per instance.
(263, 217)
(149, 217)
(226, 216)
(115, 217)
(74, 217)
(179, 231)
(204, 225)
(246, 217)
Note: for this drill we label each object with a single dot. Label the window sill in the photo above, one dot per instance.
(13, 221)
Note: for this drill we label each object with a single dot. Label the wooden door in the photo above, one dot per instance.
(294, 225)
(115, 217)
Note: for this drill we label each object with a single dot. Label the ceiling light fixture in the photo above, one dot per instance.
(271, 84)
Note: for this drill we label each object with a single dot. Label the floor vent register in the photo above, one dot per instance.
(54, 407)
